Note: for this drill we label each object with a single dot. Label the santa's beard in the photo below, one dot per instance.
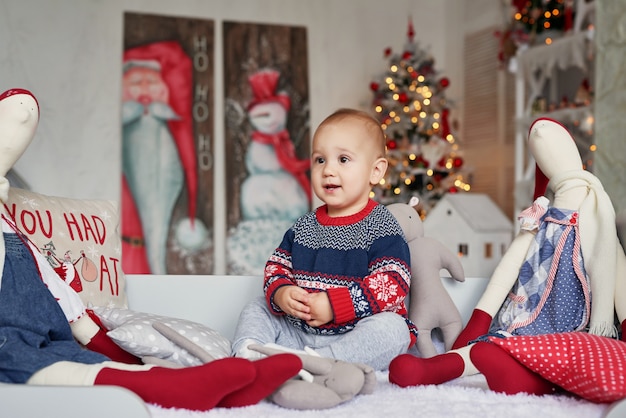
(133, 110)
(153, 170)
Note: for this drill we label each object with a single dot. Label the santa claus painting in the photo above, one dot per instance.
(158, 156)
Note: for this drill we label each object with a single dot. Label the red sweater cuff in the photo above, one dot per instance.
(271, 290)
(341, 304)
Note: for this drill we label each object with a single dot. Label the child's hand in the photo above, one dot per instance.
(293, 300)
(321, 311)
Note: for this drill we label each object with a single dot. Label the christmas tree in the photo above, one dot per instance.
(410, 103)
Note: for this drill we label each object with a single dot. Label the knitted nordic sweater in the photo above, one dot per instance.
(361, 261)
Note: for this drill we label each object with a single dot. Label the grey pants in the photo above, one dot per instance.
(375, 341)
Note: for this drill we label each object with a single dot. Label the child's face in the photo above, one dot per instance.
(344, 165)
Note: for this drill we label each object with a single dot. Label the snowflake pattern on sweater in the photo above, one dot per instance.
(362, 262)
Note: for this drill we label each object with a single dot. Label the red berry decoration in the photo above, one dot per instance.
(444, 82)
(392, 144)
(445, 124)
(387, 52)
(457, 162)
(420, 161)
(403, 98)
(374, 86)
(453, 189)
(406, 55)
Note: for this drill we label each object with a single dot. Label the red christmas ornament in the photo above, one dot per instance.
(420, 161)
(387, 52)
(457, 162)
(403, 98)
(568, 17)
(445, 123)
(426, 69)
(392, 144)
(444, 82)
(453, 189)
(406, 55)
(442, 162)
(410, 33)
(519, 5)
(374, 86)
(413, 74)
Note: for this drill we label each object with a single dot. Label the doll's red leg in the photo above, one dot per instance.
(505, 374)
(200, 387)
(407, 370)
(103, 344)
(271, 372)
(477, 325)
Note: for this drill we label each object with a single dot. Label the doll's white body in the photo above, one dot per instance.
(557, 157)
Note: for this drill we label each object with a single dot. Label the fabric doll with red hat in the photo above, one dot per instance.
(43, 320)
(158, 155)
(562, 276)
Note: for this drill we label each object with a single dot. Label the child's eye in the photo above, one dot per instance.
(318, 160)
(343, 159)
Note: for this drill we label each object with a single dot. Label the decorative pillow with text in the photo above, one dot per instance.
(80, 239)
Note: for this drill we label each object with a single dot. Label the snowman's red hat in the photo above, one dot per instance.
(264, 84)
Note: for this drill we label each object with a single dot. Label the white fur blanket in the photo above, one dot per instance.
(465, 397)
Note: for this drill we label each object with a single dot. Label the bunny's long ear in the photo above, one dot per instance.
(414, 201)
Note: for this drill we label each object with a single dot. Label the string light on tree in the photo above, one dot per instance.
(544, 16)
(424, 157)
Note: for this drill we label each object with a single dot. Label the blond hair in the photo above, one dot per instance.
(369, 122)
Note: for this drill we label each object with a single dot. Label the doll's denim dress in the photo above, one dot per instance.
(34, 332)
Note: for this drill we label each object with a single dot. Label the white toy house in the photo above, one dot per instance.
(472, 226)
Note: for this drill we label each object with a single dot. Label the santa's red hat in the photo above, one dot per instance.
(176, 70)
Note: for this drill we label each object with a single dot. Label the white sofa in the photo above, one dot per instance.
(211, 300)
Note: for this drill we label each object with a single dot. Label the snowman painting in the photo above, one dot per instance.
(277, 188)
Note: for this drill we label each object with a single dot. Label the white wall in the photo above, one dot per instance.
(68, 53)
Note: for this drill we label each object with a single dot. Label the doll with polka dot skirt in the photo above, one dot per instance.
(43, 320)
(578, 363)
(564, 272)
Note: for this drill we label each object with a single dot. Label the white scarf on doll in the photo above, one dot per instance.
(598, 238)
